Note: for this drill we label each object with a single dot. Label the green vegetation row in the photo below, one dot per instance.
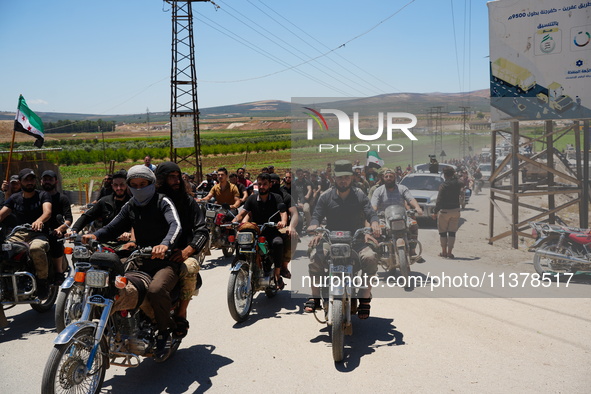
(79, 126)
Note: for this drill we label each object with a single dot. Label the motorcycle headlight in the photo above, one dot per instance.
(245, 238)
(80, 252)
(97, 278)
(397, 225)
(340, 250)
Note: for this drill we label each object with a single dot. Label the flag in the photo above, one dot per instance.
(28, 122)
(374, 160)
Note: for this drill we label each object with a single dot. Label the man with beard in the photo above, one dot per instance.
(155, 222)
(33, 207)
(193, 237)
(392, 193)
(224, 191)
(261, 208)
(107, 207)
(345, 208)
(60, 205)
(287, 182)
(241, 189)
(107, 188)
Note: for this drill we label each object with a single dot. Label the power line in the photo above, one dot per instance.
(321, 55)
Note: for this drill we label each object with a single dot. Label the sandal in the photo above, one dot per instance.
(285, 273)
(363, 308)
(279, 283)
(451, 256)
(311, 305)
(443, 255)
(182, 327)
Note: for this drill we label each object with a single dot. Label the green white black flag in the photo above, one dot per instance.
(28, 122)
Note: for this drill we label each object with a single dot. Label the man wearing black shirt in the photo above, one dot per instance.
(345, 208)
(107, 188)
(60, 205)
(241, 188)
(33, 207)
(448, 207)
(107, 207)
(303, 193)
(261, 208)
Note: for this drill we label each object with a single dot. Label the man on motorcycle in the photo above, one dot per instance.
(261, 208)
(224, 191)
(345, 208)
(155, 222)
(193, 237)
(60, 205)
(303, 193)
(233, 177)
(34, 207)
(107, 207)
(392, 193)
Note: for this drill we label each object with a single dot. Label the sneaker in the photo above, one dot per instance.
(161, 341)
(42, 289)
(59, 278)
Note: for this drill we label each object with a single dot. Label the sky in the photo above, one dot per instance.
(114, 57)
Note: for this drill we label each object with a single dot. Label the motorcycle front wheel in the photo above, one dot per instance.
(46, 304)
(66, 371)
(69, 306)
(239, 295)
(404, 266)
(338, 330)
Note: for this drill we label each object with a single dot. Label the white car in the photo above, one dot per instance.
(486, 170)
(424, 187)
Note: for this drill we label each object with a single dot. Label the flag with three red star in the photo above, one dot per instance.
(28, 122)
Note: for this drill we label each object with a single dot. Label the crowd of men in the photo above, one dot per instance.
(158, 206)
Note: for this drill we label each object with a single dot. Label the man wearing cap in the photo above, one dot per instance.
(193, 237)
(60, 205)
(107, 207)
(345, 208)
(392, 193)
(11, 187)
(155, 222)
(33, 207)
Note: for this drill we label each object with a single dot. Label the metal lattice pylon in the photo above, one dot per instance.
(184, 110)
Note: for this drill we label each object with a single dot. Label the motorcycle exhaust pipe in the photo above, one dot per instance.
(562, 257)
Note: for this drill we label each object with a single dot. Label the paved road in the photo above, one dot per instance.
(418, 343)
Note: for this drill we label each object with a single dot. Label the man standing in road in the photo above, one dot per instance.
(448, 207)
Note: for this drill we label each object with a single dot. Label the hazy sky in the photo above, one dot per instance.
(114, 57)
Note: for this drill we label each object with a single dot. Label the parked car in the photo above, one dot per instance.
(486, 170)
(424, 187)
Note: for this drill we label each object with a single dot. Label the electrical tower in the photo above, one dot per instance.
(184, 110)
(436, 113)
(464, 141)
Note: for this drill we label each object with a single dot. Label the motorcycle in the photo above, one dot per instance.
(18, 282)
(394, 250)
(73, 292)
(113, 329)
(252, 270)
(215, 216)
(560, 249)
(478, 183)
(465, 197)
(341, 303)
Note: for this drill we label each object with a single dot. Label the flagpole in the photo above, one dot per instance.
(10, 156)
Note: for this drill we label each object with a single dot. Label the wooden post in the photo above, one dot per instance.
(6, 178)
(550, 163)
(491, 211)
(515, 186)
(585, 207)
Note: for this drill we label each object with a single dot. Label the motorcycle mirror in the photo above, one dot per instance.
(60, 218)
(282, 207)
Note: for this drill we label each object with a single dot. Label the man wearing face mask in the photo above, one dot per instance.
(60, 205)
(155, 222)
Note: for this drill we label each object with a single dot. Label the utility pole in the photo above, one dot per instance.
(184, 110)
(148, 118)
(464, 141)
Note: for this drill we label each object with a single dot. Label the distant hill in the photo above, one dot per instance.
(417, 103)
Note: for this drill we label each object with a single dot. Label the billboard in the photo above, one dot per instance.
(183, 134)
(540, 59)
